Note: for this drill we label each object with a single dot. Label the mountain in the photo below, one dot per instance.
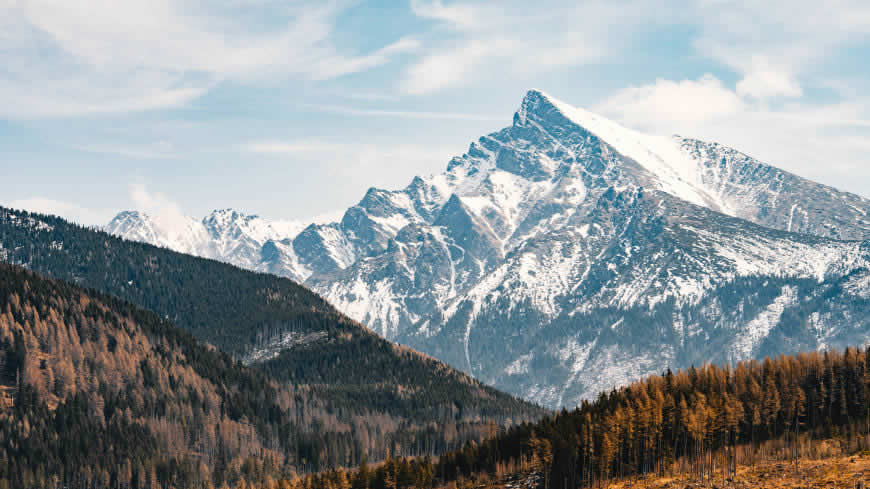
(246, 241)
(352, 394)
(565, 254)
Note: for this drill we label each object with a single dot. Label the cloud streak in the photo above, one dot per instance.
(64, 59)
(357, 162)
(404, 114)
(67, 210)
(484, 42)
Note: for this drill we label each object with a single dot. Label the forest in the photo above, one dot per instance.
(360, 396)
(96, 392)
(702, 421)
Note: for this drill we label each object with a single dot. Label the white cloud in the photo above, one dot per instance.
(775, 44)
(510, 40)
(458, 16)
(389, 165)
(770, 45)
(451, 67)
(155, 151)
(367, 96)
(327, 217)
(67, 210)
(406, 114)
(165, 213)
(73, 57)
(290, 147)
(763, 80)
(338, 66)
(682, 102)
(823, 142)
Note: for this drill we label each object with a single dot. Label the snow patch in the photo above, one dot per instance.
(283, 342)
(759, 328)
(859, 286)
(519, 366)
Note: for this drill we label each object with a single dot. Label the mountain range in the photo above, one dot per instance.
(565, 254)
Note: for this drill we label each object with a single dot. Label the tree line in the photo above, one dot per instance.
(692, 415)
(696, 420)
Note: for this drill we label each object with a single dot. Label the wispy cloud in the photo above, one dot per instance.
(450, 67)
(160, 150)
(70, 58)
(368, 96)
(763, 80)
(67, 210)
(369, 162)
(404, 114)
(456, 15)
(489, 41)
(165, 213)
(769, 45)
(774, 44)
(291, 147)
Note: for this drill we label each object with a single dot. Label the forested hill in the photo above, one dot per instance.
(96, 392)
(93, 389)
(697, 416)
(361, 396)
(219, 303)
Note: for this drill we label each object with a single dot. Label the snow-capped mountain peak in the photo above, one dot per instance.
(675, 171)
(180, 233)
(707, 174)
(247, 241)
(566, 254)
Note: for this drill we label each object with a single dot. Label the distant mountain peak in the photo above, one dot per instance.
(223, 234)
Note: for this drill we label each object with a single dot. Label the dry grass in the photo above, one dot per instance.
(834, 473)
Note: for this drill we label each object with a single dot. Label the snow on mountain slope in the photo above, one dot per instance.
(185, 235)
(775, 198)
(564, 219)
(513, 187)
(566, 254)
(677, 173)
(245, 241)
(725, 180)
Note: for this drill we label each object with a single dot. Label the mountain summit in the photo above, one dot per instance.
(566, 254)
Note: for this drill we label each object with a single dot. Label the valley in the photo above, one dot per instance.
(434, 244)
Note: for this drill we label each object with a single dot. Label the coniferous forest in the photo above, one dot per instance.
(96, 392)
(702, 421)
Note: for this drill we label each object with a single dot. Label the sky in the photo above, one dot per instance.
(291, 109)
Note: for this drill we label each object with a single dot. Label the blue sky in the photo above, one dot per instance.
(292, 109)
